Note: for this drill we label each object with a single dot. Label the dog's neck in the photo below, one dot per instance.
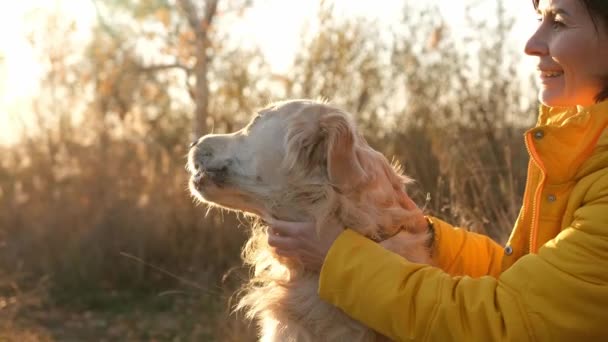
(323, 212)
(288, 210)
(326, 212)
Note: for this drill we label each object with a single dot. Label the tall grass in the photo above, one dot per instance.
(107, 225)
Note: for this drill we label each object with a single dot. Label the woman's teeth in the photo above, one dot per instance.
(552, 73)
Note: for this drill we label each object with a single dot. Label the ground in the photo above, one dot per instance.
(121, 317)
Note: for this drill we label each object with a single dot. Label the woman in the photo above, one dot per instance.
(550, 282)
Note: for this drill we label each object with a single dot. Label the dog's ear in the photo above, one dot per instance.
(305, 147)
(327, 144)
(344, 168)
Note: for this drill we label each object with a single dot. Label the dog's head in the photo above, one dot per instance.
(293, 159)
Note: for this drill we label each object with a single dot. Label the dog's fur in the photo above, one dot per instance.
(300, 160)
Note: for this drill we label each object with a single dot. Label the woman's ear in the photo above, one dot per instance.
(344, 169)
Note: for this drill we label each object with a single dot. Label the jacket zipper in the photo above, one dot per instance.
(537, 192)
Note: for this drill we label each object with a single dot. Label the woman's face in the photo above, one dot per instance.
(572, 54)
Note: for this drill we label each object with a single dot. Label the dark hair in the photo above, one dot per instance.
(598, 10)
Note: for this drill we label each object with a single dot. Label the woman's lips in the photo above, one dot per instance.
(548, 76)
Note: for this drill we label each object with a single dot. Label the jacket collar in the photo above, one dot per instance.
(567, 138)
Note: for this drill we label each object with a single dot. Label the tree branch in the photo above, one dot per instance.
(199, 25)
(211, 8)
(191, 15)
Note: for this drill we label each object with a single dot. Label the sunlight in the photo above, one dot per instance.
(20, 70)
(272, 25)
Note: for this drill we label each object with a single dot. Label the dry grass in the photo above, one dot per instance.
(88, 241)
(95, 235)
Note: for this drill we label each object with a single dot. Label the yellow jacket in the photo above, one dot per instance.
(550, 283)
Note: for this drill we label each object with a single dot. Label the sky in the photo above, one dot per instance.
(274, 25)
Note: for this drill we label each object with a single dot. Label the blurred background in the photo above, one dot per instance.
(99, 237)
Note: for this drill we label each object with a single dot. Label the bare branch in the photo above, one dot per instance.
(210, 10)
(191, 15)
(199, 25)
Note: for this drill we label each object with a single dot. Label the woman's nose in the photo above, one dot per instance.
(537, 44)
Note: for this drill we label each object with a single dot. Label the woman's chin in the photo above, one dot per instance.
(552, 99)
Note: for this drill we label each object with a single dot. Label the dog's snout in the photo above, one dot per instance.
(210, 154)
(198, 155)
(201, 158)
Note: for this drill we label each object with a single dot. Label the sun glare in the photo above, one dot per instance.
(18, 74)
(20, 70)
(272, 25)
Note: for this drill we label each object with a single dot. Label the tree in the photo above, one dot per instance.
(187, 40)
(200, 26)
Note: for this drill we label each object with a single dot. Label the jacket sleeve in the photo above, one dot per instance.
(559, 294)
(460, 252)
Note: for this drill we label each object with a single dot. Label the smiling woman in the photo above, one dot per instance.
(572, 53)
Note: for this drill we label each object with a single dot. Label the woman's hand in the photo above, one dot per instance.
(413, 247)
(414, 242)
(299, 241)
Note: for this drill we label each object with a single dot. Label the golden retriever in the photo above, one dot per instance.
(299, 160)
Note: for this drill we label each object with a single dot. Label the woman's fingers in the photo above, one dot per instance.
(297, 242)
(280, 241)
(288, 228)
(409, 204)
(416, 223)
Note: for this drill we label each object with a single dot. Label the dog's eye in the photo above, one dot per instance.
(256, 119)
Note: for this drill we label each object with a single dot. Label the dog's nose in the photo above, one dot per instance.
(201, 155)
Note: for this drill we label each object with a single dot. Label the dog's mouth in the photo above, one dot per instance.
(213, 186)
(198, 180)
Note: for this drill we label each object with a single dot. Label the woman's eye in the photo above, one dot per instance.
(556, 24)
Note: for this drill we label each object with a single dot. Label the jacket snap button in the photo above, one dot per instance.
(551, 198)
(539, 135)
(508, 250)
